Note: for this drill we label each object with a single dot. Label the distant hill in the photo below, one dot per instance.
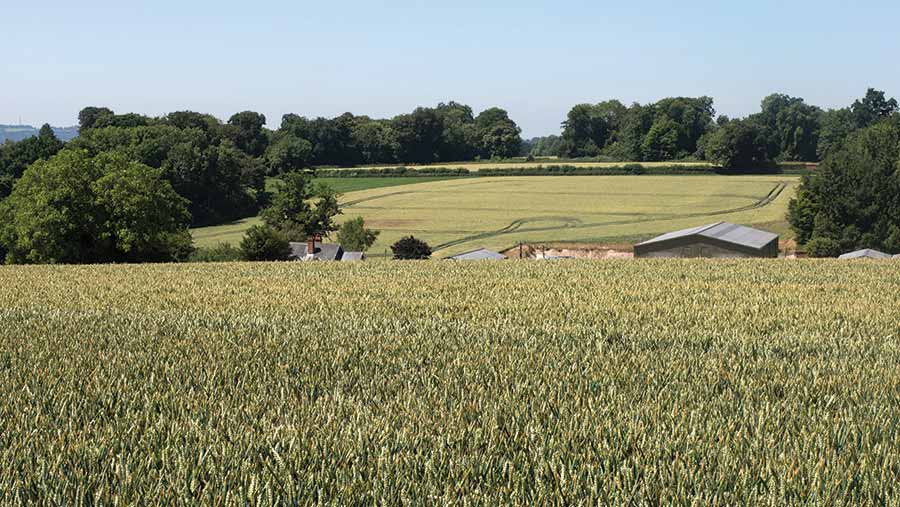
(19, 132)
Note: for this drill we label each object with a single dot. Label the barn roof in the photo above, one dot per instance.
(478, 255)
(865, 253)
(721, 231)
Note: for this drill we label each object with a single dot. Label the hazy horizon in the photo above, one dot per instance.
(535, 59)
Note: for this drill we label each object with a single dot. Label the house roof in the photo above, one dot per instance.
(478, 255)
(324, 251)
(896, 256)
(721, 231)
(865, 253)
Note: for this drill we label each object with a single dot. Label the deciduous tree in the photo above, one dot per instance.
(301, 209)
(74, 208)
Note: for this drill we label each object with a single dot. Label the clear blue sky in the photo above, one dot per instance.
(534, 58)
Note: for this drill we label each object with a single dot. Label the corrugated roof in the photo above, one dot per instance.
(723, 231)
(679, 234)
(865, 253)
(478, 255)
(739, 234)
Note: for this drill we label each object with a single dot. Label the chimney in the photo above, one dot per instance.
(310, 246)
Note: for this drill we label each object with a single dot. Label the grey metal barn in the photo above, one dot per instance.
(718, 240)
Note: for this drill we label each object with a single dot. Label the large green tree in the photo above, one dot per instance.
(375, 140)
(737, 144)
(662, 140)
(418, 136)
(459, 139)
(872, 108)
(498, 135)
(853, 199)
(288, 153)
(835, 126)
(792, 127)
(590, 128)
(75, 208)
(245, 129)
(635, 124)
(692, 117)
(302, 209)
(583, 134)
(89, 116)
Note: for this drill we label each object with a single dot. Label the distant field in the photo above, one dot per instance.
(662, 382)
(461, 214)
(233, 232)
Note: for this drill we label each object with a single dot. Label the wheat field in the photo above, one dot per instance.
(696, 382)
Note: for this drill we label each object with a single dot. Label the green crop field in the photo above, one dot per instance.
(461, 214)
(679, 382)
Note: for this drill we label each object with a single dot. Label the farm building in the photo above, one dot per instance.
(865, 253)
(482, 254)
(720, 240)
(323, 252)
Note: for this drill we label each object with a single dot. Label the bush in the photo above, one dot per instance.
(634, 168)
(822, 247)
(410, 248)
(264, 243)
(223, 252)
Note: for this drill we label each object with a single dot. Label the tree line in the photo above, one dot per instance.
(446, 133)
(683, 128)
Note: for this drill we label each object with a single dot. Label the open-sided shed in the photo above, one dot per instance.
(719, 240)
(865, 253)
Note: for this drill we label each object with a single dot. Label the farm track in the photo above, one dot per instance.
(574, 223)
